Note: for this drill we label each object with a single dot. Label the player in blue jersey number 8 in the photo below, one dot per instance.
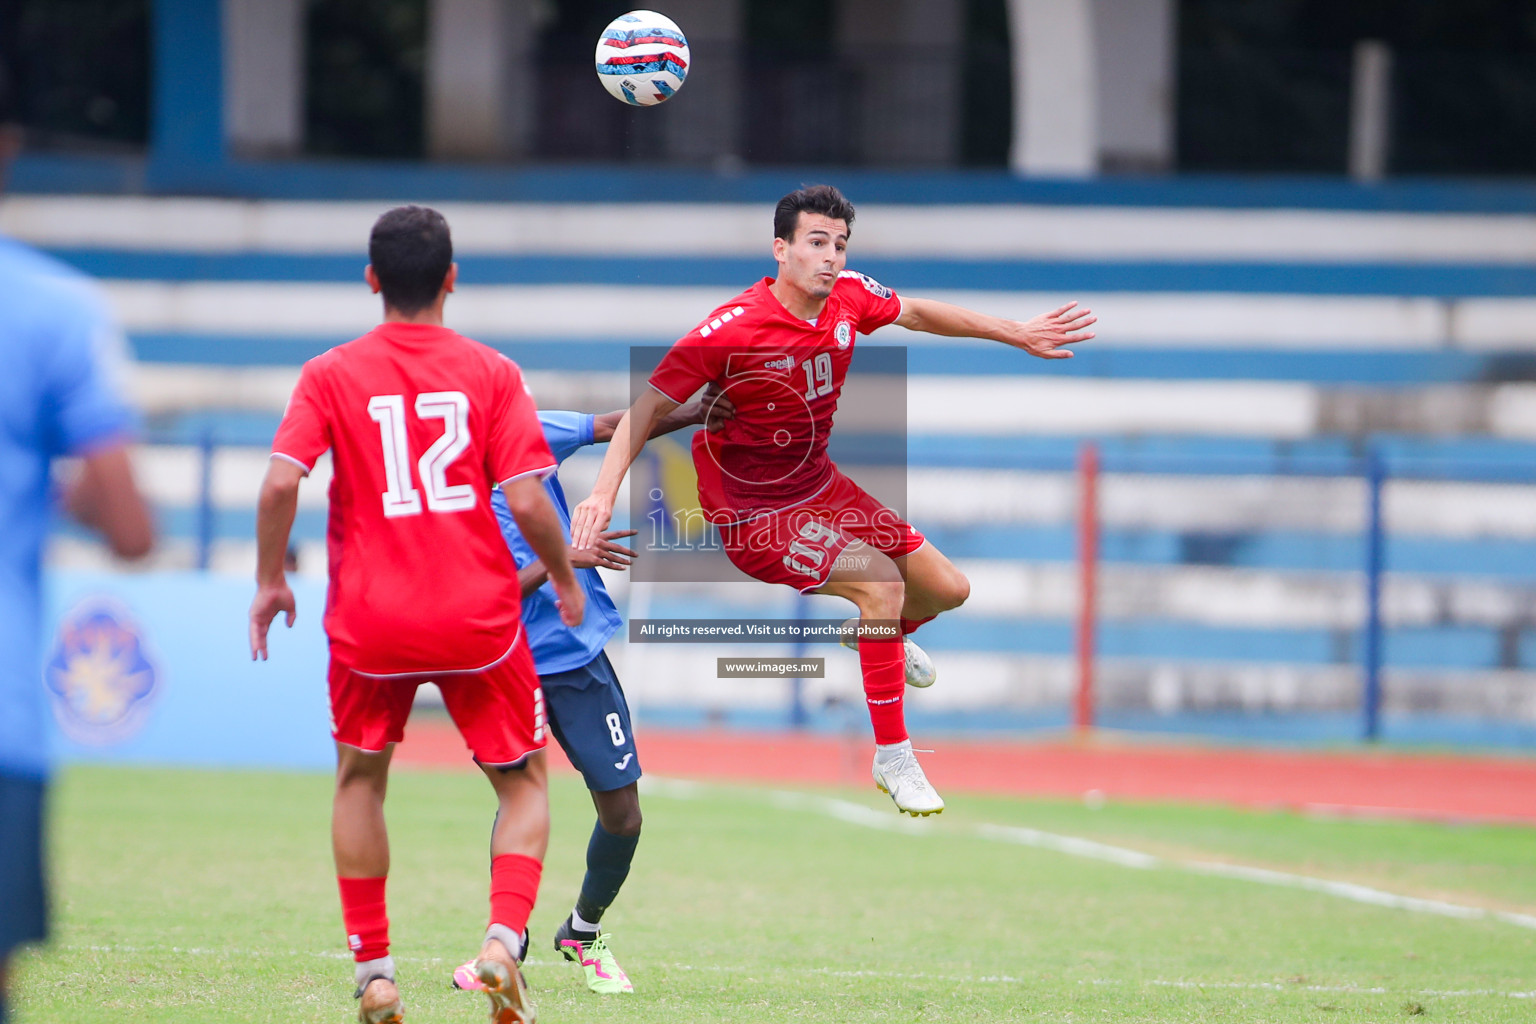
(583, 701)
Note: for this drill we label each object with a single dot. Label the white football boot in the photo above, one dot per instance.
(920, 670)
(897, 773)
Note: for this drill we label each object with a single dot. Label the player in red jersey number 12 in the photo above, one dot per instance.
(785, 513)
(422, 423)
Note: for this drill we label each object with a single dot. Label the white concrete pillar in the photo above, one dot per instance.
(907, 56)
(702, 123)
(1136, 55)
(1055, 104)
(1370, 110)
(480, 78)
(263, 76)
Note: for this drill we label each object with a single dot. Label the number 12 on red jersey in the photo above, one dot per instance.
(400, 497)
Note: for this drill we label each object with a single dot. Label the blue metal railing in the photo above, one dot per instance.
(1375, 478)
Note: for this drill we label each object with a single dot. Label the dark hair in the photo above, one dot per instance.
(410, 250)
(823, 199)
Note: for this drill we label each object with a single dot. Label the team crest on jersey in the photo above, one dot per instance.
(870, 284)
(100, 676)
(844, 334)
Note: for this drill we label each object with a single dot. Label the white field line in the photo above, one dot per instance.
(1076, 846)
(1274, 986)
(1006, 979)
(828, 972)
(1357, 893)
(1071, 845)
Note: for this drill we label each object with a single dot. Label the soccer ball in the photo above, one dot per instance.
(642, 58)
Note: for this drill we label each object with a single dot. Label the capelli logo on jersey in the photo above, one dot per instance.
(100, 677)
(786, 364)
(844, 334)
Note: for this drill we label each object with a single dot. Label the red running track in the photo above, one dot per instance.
(1428, 786)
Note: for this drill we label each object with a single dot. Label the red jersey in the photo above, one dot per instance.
(422, 423)
(784, 375)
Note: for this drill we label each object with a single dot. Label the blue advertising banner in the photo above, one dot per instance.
(156, 668)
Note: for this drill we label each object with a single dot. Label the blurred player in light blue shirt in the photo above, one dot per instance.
(60, 360)
(59, 396)
(583, 700)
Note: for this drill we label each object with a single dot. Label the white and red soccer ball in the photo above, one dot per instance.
(642, 58)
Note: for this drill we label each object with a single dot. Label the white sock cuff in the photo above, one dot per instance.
(581, 924)
(893, 747)
(508, 938)
(366, 970)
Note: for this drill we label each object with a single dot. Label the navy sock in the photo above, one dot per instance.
(608, 858)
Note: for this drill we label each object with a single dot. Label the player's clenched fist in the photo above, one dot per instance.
(571, 600)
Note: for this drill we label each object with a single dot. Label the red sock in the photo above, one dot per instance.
(362, 911)
(884, 665)
(910, 625)
(514, 885)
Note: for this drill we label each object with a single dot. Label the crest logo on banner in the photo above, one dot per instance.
(100, 677)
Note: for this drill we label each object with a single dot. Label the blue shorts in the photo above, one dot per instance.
(589, 718)
(24, 908)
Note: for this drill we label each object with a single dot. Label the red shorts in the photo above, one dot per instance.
(799, 547)
(499, 711)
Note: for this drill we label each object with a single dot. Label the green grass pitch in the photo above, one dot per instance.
(208, 897)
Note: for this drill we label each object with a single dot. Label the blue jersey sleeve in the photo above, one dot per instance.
(85, 370)
(566, 431)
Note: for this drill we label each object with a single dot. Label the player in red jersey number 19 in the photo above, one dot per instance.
(785, 513)
(422, 423)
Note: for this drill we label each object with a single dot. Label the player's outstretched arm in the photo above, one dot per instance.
(593, 513)
(529, 504)
(1041, 336)
(711, 408)
(275, 510)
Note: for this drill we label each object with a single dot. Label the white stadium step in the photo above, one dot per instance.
(658, 314)
(935, 405)
(932, 232)
(1074, 406)
(681, 675)
(998, 406)
(1240, 598)
(1223, 503)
